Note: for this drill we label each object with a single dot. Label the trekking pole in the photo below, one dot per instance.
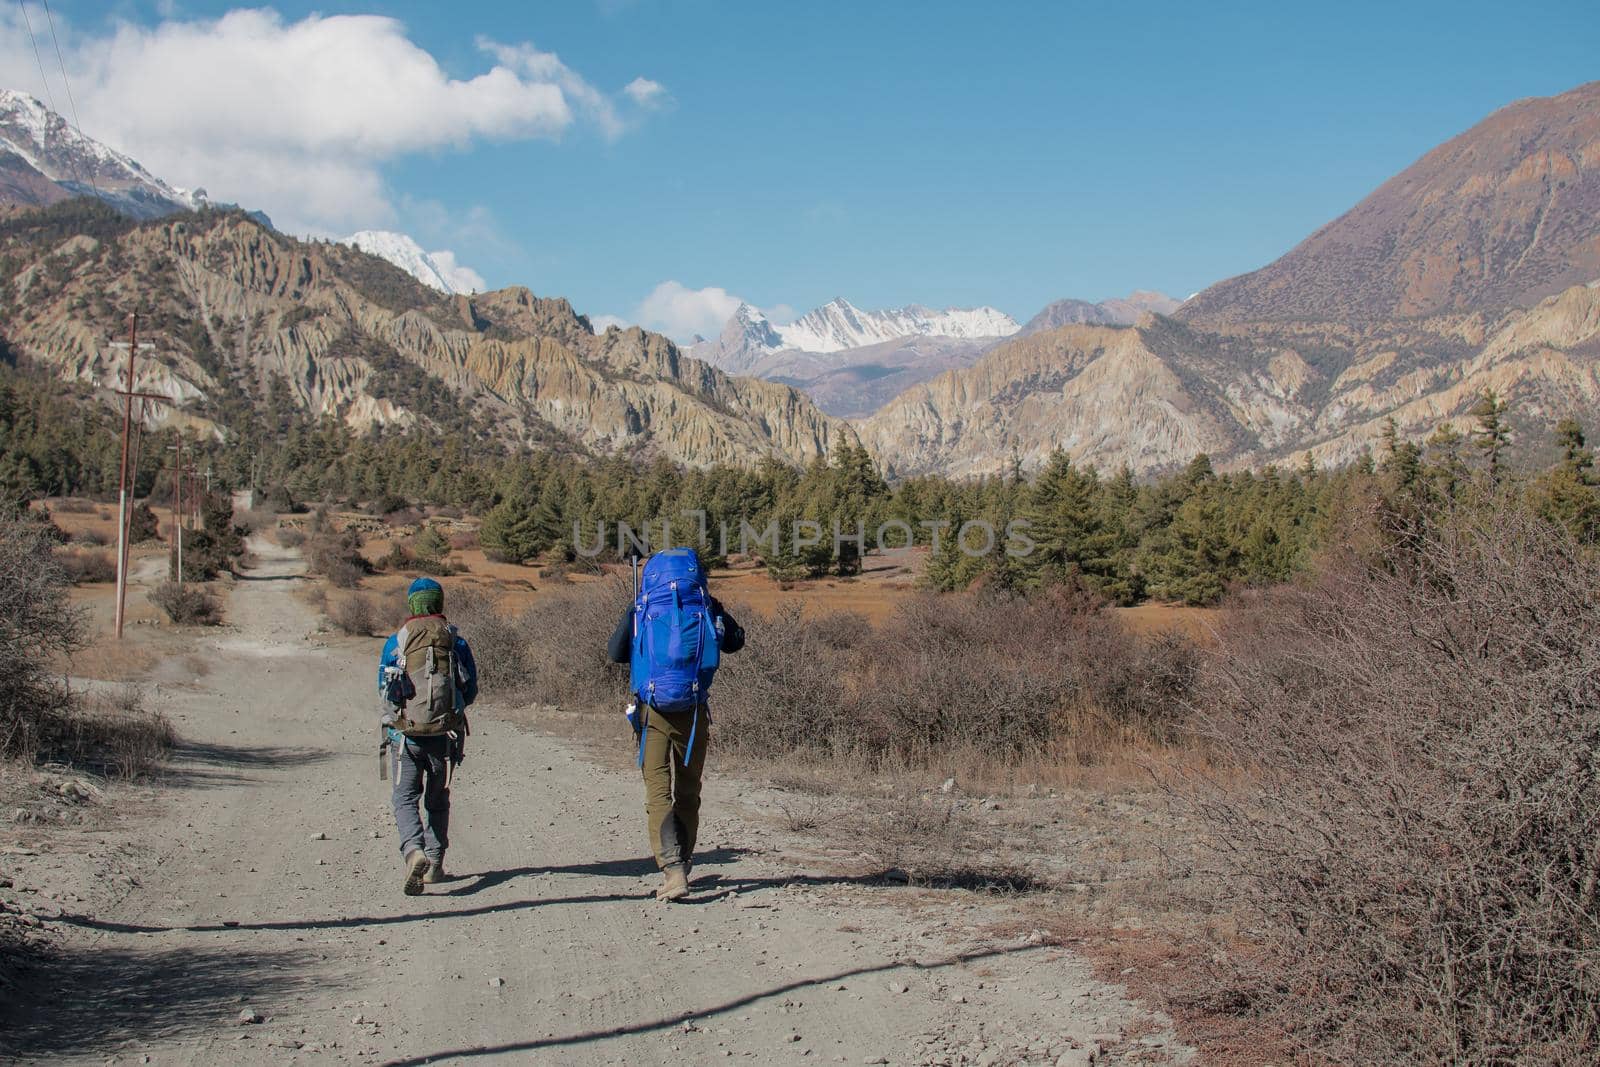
(383, 753)
(635, 714)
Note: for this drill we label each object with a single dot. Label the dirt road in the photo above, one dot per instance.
(264, 883)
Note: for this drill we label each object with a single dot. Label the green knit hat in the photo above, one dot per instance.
(425, 597)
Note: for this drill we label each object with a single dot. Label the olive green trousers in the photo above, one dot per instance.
(672, 784)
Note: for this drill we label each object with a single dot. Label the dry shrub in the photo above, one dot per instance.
(38, 625)
(984, 672)
(188, 604)
(91, 536)
(354, 616)
(1417, 837)
(291, 536)
(113, 734)
(499, 642)
(554, 652)
(86, 568)
(336, 555)
(464, 541)
(789, 689)
(76, 505)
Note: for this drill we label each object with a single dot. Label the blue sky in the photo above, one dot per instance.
(936, 153)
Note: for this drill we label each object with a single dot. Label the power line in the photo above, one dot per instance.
(66, 83)
(26, 21)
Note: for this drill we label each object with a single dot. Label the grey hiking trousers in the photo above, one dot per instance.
(419, 777)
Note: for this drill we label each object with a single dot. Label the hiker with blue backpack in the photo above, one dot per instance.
(671, 637)
(426, 679)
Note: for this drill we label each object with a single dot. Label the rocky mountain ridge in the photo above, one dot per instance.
(1151, 396)
(238, 309)
(1473, 270)
(1502, 215)
(1119, 311)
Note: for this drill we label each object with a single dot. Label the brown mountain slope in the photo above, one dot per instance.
(21, 184)
(233, 306)
(1503, 215)
(1153, 395)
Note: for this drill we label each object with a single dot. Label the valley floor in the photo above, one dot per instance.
(261, 882)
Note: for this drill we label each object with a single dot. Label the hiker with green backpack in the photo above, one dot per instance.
(427, 679)
(672, 636)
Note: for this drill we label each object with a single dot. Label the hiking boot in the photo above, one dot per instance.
(436, 873)
(418, 867)
(674, 884)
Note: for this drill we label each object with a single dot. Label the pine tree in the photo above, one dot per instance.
(1402, 460)
(1575, 454)
(1568, 494)
(510, 531)
(1067, 522)
(1445, 468)
(1491, 435)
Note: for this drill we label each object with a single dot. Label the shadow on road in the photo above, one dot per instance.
(94, 998)
(195, 765)
(346, 922)
(705, 890)
(632, 867)
(668, 1022)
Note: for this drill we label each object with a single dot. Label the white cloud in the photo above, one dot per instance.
(646, 93)
(602, 322)
(680, 312)
(298, 118)
(461, 277)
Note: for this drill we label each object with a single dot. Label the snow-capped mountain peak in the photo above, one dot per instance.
(78, 163)
(437, 270)
(750, 337)
(839, 324)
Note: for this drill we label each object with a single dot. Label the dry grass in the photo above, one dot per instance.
(40, 719)
(354, 616)
(87, 567)
(553, 651)
(111, 733)
(188, 604)
(981, 674)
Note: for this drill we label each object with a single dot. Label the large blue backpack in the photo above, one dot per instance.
(674, 636)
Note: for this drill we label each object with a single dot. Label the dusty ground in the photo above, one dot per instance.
(262, 881)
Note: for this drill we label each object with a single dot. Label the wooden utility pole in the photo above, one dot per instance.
(181, 475)
(123, 490)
